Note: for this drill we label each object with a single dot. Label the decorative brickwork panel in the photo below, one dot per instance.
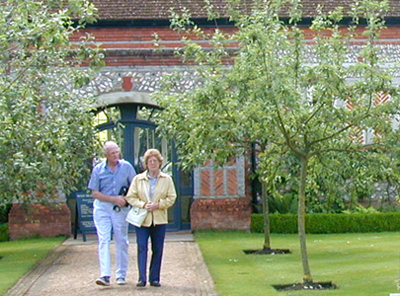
(205, 181)
(41, 220)
(219, 182)
(225, 182)
(221, 214)
(232, 182)
(381, 98)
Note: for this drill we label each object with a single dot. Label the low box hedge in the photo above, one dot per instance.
(329, 223)
(4, 236)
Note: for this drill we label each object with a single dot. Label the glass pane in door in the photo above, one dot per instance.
(186, 201)
(146, 138)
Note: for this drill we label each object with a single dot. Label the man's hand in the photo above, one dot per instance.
(120, 201)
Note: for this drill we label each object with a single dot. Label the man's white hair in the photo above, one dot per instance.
(107, 145)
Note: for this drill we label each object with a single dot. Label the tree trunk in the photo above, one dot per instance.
(264, 197)
(307, 278)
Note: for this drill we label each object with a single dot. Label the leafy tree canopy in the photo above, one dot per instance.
(46, 135)
(287, 94)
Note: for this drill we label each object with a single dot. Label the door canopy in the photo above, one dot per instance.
(125, 97)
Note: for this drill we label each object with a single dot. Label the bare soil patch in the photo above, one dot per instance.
(267, 251)
(306, 286)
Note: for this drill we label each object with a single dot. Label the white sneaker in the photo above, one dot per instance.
(121, 281)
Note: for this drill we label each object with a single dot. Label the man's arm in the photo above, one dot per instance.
(118, 200)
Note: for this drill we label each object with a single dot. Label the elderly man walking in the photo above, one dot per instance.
(110, 210)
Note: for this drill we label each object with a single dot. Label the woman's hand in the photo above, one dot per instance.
(151, 206)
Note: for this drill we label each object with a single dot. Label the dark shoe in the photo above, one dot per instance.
(103, 281)
(140, 284)
(155, 284)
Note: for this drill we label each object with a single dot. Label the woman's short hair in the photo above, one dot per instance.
(152, 152)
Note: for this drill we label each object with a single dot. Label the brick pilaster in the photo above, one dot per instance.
(221, 214)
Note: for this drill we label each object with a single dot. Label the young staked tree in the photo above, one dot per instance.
(46, 135)
(288, 95)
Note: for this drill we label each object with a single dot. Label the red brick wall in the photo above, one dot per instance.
(135, 46)
(42, 220)
(222, 214)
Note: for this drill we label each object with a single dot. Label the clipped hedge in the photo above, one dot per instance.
(329, 223)
(4, 236)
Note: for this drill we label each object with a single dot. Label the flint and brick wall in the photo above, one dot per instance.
(220, 201)
(40, 220)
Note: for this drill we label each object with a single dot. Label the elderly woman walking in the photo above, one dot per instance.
(154, 191)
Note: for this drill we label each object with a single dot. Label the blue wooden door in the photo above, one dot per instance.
(137, 133)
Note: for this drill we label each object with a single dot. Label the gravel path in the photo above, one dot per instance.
(72, 268)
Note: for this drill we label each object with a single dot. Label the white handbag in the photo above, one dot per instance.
(136, 216)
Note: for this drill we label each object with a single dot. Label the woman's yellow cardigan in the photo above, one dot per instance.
(164, 194)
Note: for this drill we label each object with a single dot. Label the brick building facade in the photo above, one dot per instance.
(126, 30)
(222, 197)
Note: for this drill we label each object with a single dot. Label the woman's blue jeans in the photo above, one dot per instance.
(157, 236)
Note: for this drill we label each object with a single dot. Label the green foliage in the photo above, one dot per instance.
(47, 136)
(294, 111)
(361, 210)
(285, 203)
(330, 223)
(4, 234)
(4, 210)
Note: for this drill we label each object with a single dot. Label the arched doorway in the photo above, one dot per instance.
(128, 118)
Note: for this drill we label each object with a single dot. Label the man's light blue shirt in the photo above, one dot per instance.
(109, 182)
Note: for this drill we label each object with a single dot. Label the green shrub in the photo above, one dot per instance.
(329, 223)
(4, 232)
(283, 223)
(4, 210)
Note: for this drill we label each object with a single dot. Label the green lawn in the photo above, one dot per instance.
(359, 264)
(21, 255)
